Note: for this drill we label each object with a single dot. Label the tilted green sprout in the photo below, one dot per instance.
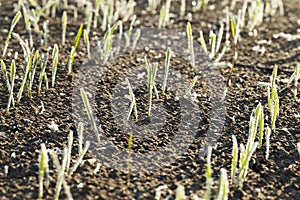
(209, 179)
(12, 82)
(223, 188)
(235, 151)
(80, 158)
(12, 26)
(268, 133)
(70, 143)
(166, 72)
(151, 71)
(61, 175)
(89, 112)
(73, 50)
(64, 27)
(189, 90)
(54, 63)
(298, 147)
(182, 8)
(295, 77)
(87, 42)
(133, 102)
(80, 137)
(43, 169)
(25, 77)
(32, 73)
(96, 15)
(43, 74)
(190, 43)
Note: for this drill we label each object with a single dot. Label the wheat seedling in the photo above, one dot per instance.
(153, 4)
(295, 77)
(45, 32)
(209, 179)
(180, 194)
(96, 13)
(167, 66)
(268, 133)
(298, 148)
(24, 45)
(43, 74)
(80, 158)
(87, 42)
(80, 137)
(54, 63)
(64, 27)
(43, 169)
(25, 77)
(223, 188)
(190, 43)
(89, 112)
(235, 151)
(32, 72)
(73, 50)
(151, 71)
(70, 143)
(12, 26)
(12, 82)
(182, 8)
(28, 25)
(133, 102)
(61, 175)
(189, 90)
(9, 81)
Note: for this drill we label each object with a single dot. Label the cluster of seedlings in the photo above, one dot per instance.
(116, 12)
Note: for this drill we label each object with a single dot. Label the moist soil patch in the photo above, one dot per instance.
(26, 126)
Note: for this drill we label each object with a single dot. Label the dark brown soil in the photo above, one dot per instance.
(25, 127)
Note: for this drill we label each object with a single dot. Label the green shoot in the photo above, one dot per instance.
(268, 133)
(235, 151)
(223, 188)
(151, 71)
(180, 194)
(89, 112)
(25, 77)
(32, 73)
(201, 4)
(11, 91)
(73, 51)
(298, 147)
(133, 102)
(202, 42)
(182, 8)
(167, 66)
(45, 32)
(295, 77)
(208, 174)
(87, 42)
(61, 175)
(96, 15)
(54, 63)
(80, 158)
(70, 143)
(189, 90)
(261, 126)
(24, 45)
(28, 25)
(162, 16)
(190, 43)
(64, 27)
(43, 74)
(80, 137)
(5, 74)
(43, 169)
(12, 26)
(129, 158)
(136, 37)
(212, 42)
(153, 4)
